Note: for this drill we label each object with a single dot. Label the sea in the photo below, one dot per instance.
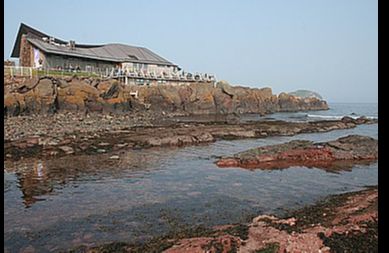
(58, 205)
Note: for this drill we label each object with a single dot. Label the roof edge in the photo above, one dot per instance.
(25, 29)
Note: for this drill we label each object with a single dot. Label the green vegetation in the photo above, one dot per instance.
(270, 248)
(240, 230)
(36, 72)
(355, 241)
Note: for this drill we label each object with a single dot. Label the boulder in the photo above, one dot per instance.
(48, 95)
(79, 96)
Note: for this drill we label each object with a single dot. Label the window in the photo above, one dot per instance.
(133, 57)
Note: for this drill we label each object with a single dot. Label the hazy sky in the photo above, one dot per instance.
(329, 46)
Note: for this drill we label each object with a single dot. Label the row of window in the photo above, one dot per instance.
(72, 62)
(143, 66)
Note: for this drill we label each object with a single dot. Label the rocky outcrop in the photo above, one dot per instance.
(332, 154)
(84, 135)
(290, 103)
(305, 94)
(36, 96)
(48, 95)
(339, 223)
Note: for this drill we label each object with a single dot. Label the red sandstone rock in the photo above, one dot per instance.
(349, 215)
(77, 94)
(206, 244)
(305, 153)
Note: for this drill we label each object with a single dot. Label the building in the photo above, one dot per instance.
(39, 50)
(9, 63)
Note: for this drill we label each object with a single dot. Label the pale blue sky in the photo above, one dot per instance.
(329, 46)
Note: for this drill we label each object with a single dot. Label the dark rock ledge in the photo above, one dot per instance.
(49, 144)
(343, 152)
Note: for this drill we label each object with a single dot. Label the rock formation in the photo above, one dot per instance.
(327, 155)
(339, 223)
(305, 94)
(86, 135)
(48, 95)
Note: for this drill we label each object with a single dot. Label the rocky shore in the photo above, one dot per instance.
(61, 135)
(339, 223)
(57, 119)
(49, 95)
(327, 155)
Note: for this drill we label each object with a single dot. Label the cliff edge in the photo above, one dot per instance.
(48, 95)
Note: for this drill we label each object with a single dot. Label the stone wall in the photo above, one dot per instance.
(26, 54)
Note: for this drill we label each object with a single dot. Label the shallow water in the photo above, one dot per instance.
(59, 204)
(336, 111)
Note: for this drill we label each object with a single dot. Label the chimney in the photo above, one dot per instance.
(72, 44)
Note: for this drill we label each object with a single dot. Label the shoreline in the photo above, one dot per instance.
(72, 134)
(336, 223)
(64, 135)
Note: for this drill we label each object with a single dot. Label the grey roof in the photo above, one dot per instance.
(108, 52)
(24, 29)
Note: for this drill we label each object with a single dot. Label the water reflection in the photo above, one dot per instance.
(100, 199)
(328, 166)
(39, 178)
(34, 182)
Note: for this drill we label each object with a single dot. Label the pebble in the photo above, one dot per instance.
(324, 249)
(67, 149)
(101, 151)
(61, 124)
(29, 249)
(52, 143)
(115, 157)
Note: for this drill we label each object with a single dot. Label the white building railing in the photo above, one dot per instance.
(17, 71)
(176, 76)
(182, 76)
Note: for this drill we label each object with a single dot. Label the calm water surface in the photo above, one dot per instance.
(53, 205)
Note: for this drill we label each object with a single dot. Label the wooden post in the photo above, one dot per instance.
(11, 71)
(30, 72)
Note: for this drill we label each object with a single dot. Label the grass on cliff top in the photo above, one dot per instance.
(62, 73)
